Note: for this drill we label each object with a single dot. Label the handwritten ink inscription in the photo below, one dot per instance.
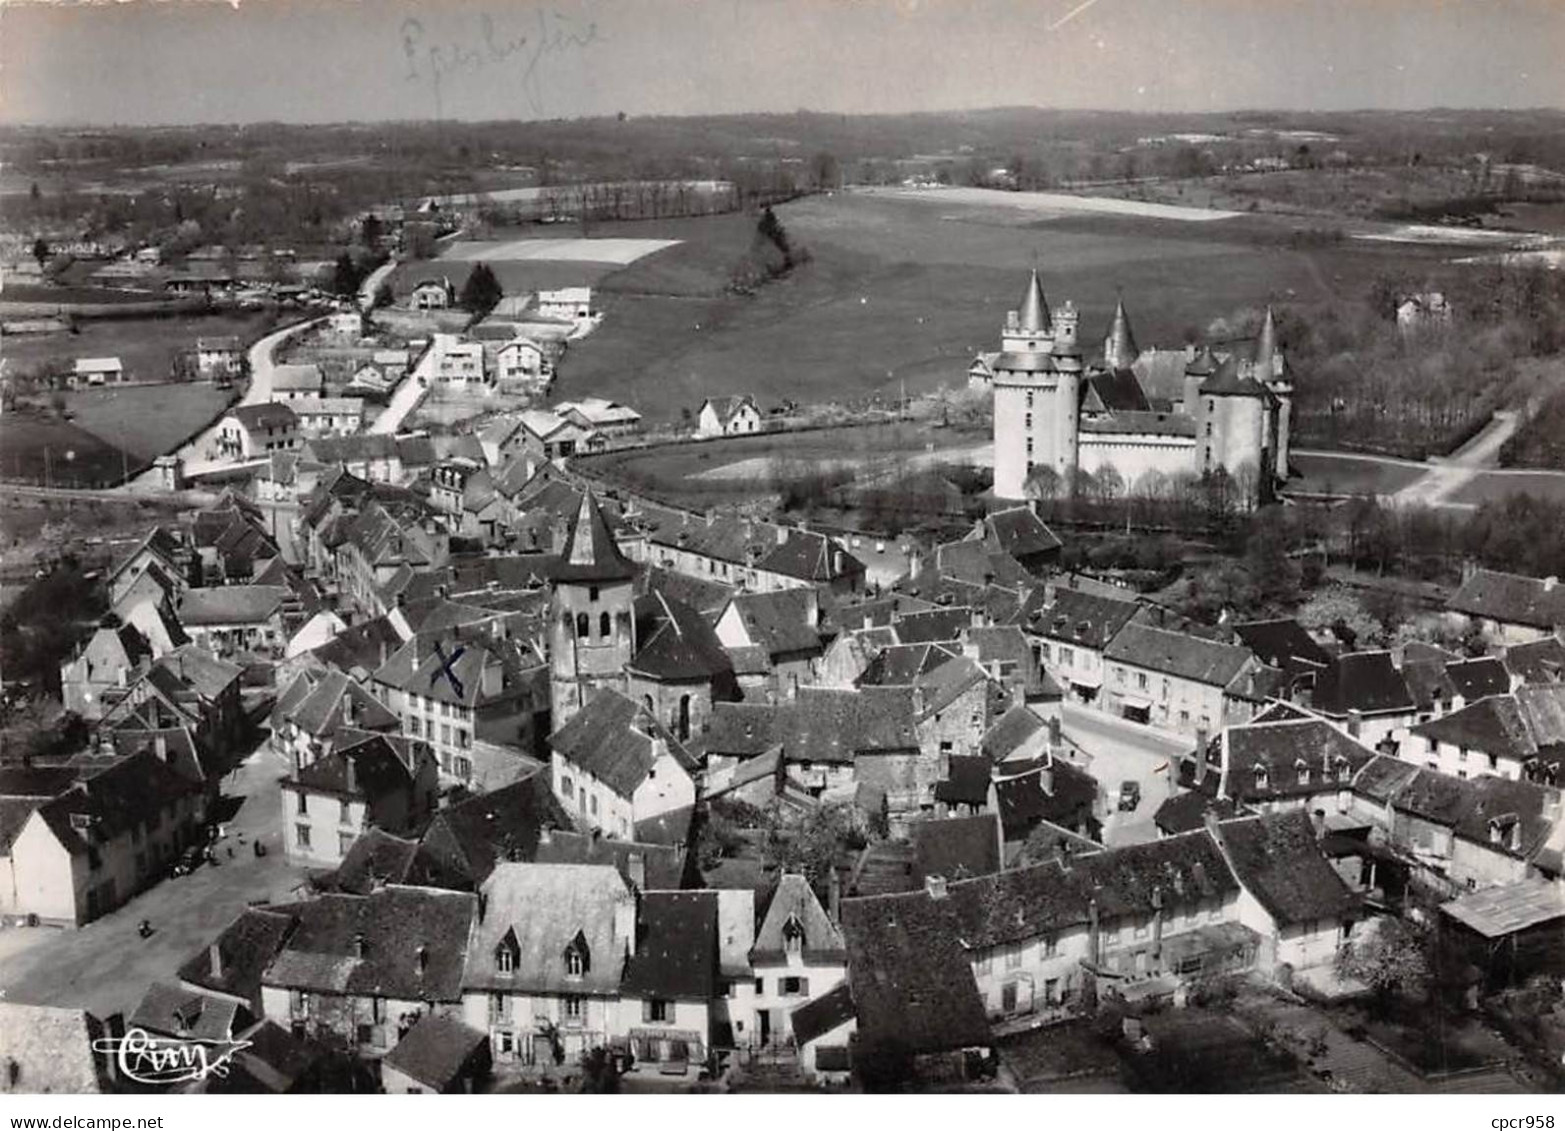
(551, 36)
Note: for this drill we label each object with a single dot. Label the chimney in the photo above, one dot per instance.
(935, 887)
(160, 745)
(1157, 920)
(1355, 722)
(349, 712)
(1049, 592)
(352, 772)
(636, 865)
(1202, 741)
(214, 958)
(1046, 780)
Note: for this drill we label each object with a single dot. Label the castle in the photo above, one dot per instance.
(1174, 412)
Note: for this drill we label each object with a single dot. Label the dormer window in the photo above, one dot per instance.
(1303, 771)
(507, 952)
(793, 935)
(1342, 769)
(578, 958)
(1260, 777)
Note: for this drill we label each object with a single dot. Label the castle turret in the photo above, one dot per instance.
(592, 623)
(1119, 348)
(1271, 368)
(1266, 347)
(1027, 328)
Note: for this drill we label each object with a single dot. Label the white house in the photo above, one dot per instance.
(573, 304)
(215, 356)
(328, 416)
(254, 431)
(455, 362)
(615, 765)
(608, 417)
(291, 382)
(522, 361)
(432, 294)
(798, 955)
(98, 371)
(728, 416)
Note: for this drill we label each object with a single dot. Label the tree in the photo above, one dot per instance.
(599, 1072)
(383, 296)
(1391, 962)
(809, 844)
(41, 251)
(346, 276)
(481, 292)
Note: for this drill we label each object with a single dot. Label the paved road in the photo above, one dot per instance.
(197, 452)
(403, 401)
(1451, 474)
(1124, 751)
(371, 282)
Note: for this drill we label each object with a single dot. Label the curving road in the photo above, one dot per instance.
(196, 452)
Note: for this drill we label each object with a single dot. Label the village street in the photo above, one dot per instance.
(1123, 751)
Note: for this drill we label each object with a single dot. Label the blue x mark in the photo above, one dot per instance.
(445, 668)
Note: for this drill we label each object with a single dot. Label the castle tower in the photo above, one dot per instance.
(592, 622)
(1037, 393)
(1119, 348)
(1271, 369)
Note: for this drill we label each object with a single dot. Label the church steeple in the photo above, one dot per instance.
(1035, 310)
(1119, 348)
(591, 554)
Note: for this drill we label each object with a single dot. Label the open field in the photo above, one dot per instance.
(899, 292)
(41, 448)
(719, 471)
(619, 252)
(146, 346)
(1493, 485)
(1350, 475)
(148, 420)
(1058, 203)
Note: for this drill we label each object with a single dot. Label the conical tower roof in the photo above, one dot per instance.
(1035, 310)
(1266, 344)
(1204, 364)
(1121, 349)
(591, 554)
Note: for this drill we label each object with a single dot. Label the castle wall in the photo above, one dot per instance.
(1135, 454)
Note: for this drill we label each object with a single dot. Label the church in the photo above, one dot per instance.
(1173, 412)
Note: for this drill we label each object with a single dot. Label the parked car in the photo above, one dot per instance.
(1129, 796)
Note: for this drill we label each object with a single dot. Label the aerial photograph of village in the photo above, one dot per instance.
(978, 546)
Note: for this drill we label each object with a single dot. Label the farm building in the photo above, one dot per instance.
(728, 416)
(98, 371)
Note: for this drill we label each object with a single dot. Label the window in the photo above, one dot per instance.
(576, 959)
(499, 1007)
(605, 627)
(793, 935)
(1461, 752)
(344, 842)
(344, 813)
(1260, 777)
(504, 960)
(592, 593)
(1051, 946)
(794, 987)
(654, 1009)
(1051, 991)
(984, 963)
(1304, 773)
(1141, 681)
(1008, 998)
(1165, 689)
(415, 726)
(1029, 400)
(760, 987)
(1013, 958)
(464, 739)
(566, 787)
(1027, 422)
(593, 804)
(1067, 656)
(575, 1008)
(583, 626)
(301, 805)
(301, 835)
(445, 734)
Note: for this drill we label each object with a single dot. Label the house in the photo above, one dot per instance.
(219, 357)
(551, 438)
(315, 706)
(49, 1050)
(670, 980)
(1282, 643)
(785, 626)
(797, 953)
(454, 362)
(1291, 896)
(98, 371)
(361, 970)
(432, 294)
(255, 431)
(103, 668)
(232, 619)
(231, 965)
(450, 692)
(187, 687)
(438, 1055)
(1048, 791)
(160, 548)
(372, 457)
(1367, 693)
(615, 765)
(178, 1013)
(1301, 762)
(823, 1033)
(1489, 736)
(368, 780)
(727, 416)
(573, 304)
(1175, 680)
(1070, 630)
(466, 841)
(1021, 535)
(523, 362)
(1460, 834)
(328, 416)
(544, 967)
(598, 415)
(95, 842)
(1509, 608)
(293, 382)
(1539, 661)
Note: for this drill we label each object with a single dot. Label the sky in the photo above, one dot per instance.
(170, 62)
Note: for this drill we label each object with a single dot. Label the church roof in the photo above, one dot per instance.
(591, 554)
(1035, 310)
